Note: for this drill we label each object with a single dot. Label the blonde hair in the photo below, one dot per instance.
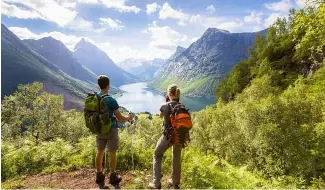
(174, 90)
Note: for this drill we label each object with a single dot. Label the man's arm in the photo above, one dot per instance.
(120, 117)
(161, 115)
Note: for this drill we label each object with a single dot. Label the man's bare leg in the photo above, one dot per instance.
(112, 161)
(99, 160)
(114, 178)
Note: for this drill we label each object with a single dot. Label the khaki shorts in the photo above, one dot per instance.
(109, 140)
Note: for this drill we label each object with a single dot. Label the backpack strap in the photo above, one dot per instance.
(173, 108)
(104, 96)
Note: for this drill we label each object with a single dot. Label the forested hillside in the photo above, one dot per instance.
(39, 137)
(271, 110)
(293, 47)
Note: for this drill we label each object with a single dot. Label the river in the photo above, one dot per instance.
(138, 98)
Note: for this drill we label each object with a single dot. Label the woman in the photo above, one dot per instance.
(166, 141)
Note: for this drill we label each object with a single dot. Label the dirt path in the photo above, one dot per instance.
(81, 179)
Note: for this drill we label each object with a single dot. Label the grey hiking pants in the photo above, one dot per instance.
(161, 147)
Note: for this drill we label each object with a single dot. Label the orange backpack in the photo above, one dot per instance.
(181, 122)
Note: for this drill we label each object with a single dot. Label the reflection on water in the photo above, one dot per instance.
(137, 98)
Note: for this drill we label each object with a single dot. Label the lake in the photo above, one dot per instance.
(138, 98)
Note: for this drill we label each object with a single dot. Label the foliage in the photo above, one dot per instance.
(275, 133)
(292, 47)
(32, 112)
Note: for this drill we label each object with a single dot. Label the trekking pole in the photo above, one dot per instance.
(105, 161)
(132, 152)
(132, 122)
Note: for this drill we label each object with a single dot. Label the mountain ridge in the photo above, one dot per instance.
(99, 62)
(22, 65)
(56, 52)
(199, 68)
(179, 50)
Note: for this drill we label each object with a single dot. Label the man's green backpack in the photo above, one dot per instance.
(96, 114)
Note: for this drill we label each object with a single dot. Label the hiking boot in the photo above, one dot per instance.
(115, 179)
(100, 180)
(154, 186)
(171, 185)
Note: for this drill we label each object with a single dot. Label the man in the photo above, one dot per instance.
(109, 140)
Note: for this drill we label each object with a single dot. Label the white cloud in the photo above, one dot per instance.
(71, 5)
(69, 40)
(80, 24)
(53, 11)
(88, 1)
(23, 33)
(254, 18)
(205, 22)
(48, 10)
(200, 21)
(120, 6)
(231, 25)
(113, 24)
(272, 18)
(211, 9)
(17, 12)
(164, 37)
(301, 3)
(168, 12)
(194, 39)
(151, 8)
(282, 5)
(120, 53)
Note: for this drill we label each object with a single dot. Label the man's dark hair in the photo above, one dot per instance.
(103, 81)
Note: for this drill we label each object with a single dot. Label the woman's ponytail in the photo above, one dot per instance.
(178, 93)
(174, 90)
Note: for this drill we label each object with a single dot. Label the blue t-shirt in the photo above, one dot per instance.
(112, 106)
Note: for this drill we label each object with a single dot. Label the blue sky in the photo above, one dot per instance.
(138, 28)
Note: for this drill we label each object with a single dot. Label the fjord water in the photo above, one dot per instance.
(138, 98)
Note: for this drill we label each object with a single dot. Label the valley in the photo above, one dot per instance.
(196, 69)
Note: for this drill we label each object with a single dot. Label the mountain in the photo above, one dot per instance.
(179, 50)
(57, 53)
(98, 62)
(144, 69)
(20, 64)
(199, 68)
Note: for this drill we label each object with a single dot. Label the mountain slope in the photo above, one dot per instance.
(21, 65)
(199, 68)
(57, 53)
(144, 69)
(98, 62)
(179, 50)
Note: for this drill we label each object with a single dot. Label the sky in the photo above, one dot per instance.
(144, 29)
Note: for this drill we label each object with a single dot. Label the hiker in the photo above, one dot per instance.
(110, 139)
(169, 139)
